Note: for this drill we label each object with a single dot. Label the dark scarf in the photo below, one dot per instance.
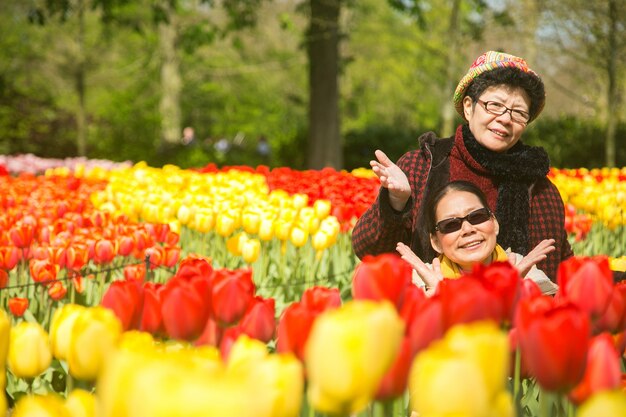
(514, 171)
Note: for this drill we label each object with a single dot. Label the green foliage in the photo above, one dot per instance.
(572, 142)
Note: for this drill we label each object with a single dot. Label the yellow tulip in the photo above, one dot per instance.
(225, 224)
(80, 403)
(235, 243)
(298, 236)
(175, 385)
(203, 220)
(136, 340)
(251, 221)
(604, 403)
(282, 229)
(5, 331)
(251, 250)
(321, 240)
(266, 229)
(29, 350)
(94, 335)
(470, 365)
(61, 327)
(322, 208)
(279, 379)
(348, 352)
(300, 200)
(618, 264)
(49, 405)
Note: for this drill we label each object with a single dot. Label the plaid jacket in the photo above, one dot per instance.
(381, 227)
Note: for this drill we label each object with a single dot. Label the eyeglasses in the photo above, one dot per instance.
(498, 109)
(453, 224)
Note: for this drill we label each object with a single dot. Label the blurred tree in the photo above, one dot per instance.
(325, 146)
(75, 10)
(450, 25)
(593, 34)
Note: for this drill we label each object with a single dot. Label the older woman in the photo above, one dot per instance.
(498, 97)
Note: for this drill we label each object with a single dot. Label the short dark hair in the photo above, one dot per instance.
(511, 77)
(430, 217)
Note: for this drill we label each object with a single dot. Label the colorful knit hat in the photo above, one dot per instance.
(486, 62)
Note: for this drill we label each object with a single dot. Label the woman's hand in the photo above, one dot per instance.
(538, 254)
(392, 178)
(430, 277)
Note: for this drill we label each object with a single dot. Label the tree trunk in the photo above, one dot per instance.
(81, 118)
(613, 114)
(170, 80)
(325, 147)
(447, 111)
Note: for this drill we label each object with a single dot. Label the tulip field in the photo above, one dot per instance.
(134, 291)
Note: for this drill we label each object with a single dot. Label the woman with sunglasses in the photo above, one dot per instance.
(463, 232)
(498, 97)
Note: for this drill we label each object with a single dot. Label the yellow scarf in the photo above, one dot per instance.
(450, 269)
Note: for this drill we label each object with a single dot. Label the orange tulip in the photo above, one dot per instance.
(135, 272)
(9, 257)
(57, 291)
(104, 251)
(43, 271)
(18, 306)
(22, 235)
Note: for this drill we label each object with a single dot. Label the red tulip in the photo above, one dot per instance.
(229, 338)
(194, 265)
(465, 300)
(503, 280)
(394, 382)
(18, 306)
(613, 319)
(382, 277)
(603, 371)
(427, 324)
(151, 319)
(586, 282)
(529, 289)
(232, 293)
(318, 299)
(553, 340)
(294, 327)
(259, 320)
(4, 278)
(211, 335)
(184, 308)
(125, 298)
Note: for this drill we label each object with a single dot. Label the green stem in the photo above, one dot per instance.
(570, 409)
(545, 404)
(516, 375)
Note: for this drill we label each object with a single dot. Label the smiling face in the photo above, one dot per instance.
(497, 133)
(472, 243)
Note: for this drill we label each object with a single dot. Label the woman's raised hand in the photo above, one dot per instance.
(538, 254)
(392, 178)
(431, 277)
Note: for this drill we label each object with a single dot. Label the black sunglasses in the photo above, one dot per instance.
(455, 223)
